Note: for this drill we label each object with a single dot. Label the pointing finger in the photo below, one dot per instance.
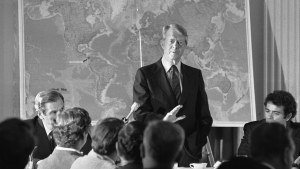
(175, 110)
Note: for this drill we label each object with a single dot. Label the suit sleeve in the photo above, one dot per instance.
(199, 138)
(142, 95)
(244, 146)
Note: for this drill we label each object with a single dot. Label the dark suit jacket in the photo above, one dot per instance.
(242, 163)
(43, 148)
(244, 148)
(154, 93)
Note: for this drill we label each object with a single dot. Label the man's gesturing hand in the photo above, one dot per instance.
(171, 116)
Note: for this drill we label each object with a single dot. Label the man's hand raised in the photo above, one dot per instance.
(171, 116)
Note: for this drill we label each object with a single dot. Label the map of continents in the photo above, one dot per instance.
(89, 50)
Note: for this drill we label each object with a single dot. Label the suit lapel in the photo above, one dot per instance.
(187, 84)
(163, 83)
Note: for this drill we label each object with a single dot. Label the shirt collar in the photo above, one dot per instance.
(46, 129)
(102, 157)
(68, 149)
(167, 65)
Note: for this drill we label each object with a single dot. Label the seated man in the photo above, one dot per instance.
(70, 134)
(103, 153)
(130, 139)
(162, 143)
(280, 106)
(17, 142)
(271, 144)
(271, 147)
(47, 104)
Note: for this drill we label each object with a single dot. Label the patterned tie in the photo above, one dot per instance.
(175, 82)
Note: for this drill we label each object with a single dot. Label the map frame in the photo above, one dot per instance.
(215, 123)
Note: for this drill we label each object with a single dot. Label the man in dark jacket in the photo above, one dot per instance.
(280, 106)
(47, 104)
(172, 91)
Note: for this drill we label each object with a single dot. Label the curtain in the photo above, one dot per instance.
(282, 47)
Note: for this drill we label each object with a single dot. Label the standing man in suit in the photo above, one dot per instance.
(281, 107)
(172, 91)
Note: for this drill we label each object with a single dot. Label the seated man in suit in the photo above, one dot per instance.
(47, 104)
(17, 142)
(70, 134)
(280, 106)
(271, 147)
(162, 143)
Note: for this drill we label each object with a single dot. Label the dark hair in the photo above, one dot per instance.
(285, 99)
(129, 140)
(71, 126)
(180, 29)
(270, 140)
(17, 142)
(105, 135)
(44, 97)
(163, 141)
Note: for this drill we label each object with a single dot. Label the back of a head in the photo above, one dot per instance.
(129, 140)
(72, 125)
(163, 141)
(269, 141)
(105, 135)
(17, 142)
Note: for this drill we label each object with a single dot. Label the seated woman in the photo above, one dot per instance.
(128, 145)
(70, 134)
(103, 154)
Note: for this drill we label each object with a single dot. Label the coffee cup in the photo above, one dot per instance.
(198, 165)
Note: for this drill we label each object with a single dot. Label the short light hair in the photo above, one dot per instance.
(180, 29)
(44, 97)
(105, 135)
(163, 141)
(71, 126)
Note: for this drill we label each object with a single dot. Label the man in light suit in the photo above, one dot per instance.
(182, 100)
(281, 107)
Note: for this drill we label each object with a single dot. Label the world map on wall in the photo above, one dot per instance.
(89, 50)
